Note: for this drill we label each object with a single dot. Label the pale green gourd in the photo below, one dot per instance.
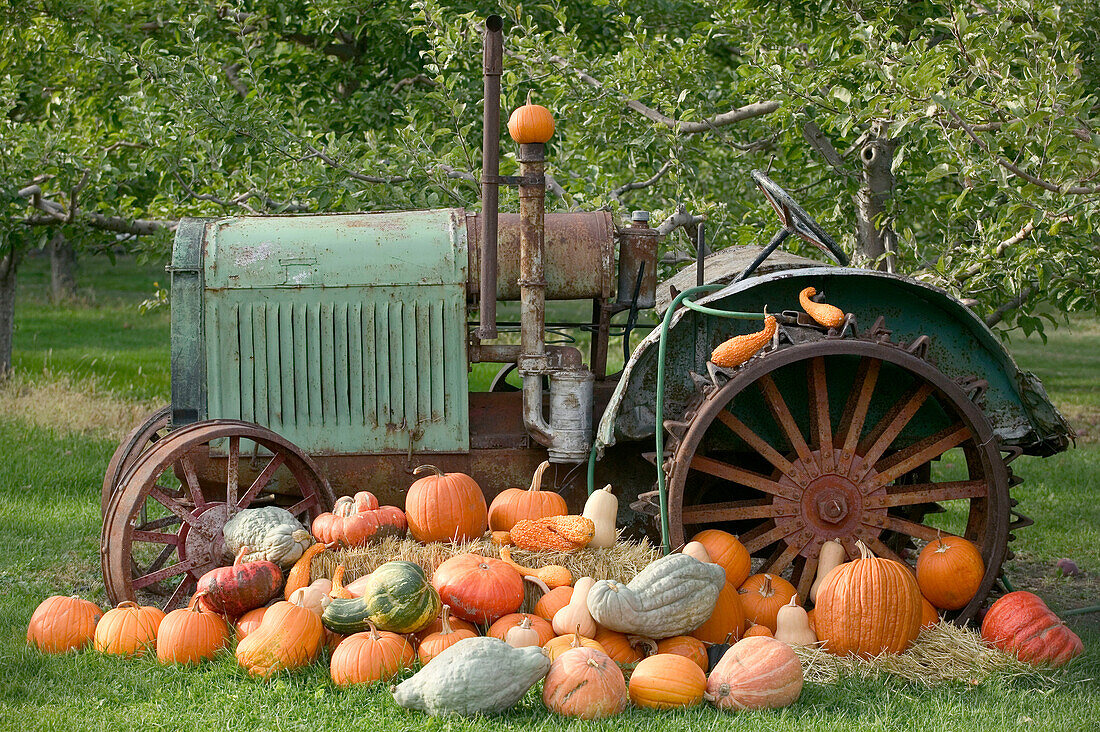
(270, 532)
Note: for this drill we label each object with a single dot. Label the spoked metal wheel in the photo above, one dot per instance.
(840, 438)
(163, 528)
(140, 439)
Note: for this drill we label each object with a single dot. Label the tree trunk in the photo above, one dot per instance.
(62, 268)
(877, 157)
(7, 311)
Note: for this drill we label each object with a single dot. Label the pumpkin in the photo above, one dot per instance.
(434, 644)
(739, 349)
(531, 123)
(831, 555)
(828, 315)
(190, 635)
(500, 538)
(726, 621)
(576, 615)
(810, 619)
(726, 551)
(792, 625)
(756, 673)
(552, 601)
(445, 507)
(474, 676)
(338, 590)
(500, 628)
(479, 589)
(950, 572)
(585, 684)
(602, 509)
(758, 631)
(61, 624)
(128, 629)
(358, 520)
(367, 657)
(928, 614)
(673, 595)
(667, 681)
(398, 598)
(556, 533)
(562, 643)
(762, 595)
(437, 625)
(868, 606)
(311, 597)
(514, 504)
(289, 637)
(623, 648)
(249, 622)
(523, 635)
(697, 550)
(687, 646)
(357, 586)
(271, 533)
(552, 575)
(299, 574)
(1020, 623)
(234, 590)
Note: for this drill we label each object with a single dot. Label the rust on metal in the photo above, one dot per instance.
(637, 255)
(493, 67)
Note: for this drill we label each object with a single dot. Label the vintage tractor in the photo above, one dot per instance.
(321, 355)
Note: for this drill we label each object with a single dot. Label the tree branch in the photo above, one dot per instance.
(54, 213)
(824, 146)
(234, 80)
(999, 314)
(410, 80)
(639, 184)
(680, 218)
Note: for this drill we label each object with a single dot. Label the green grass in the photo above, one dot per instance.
(49, 521)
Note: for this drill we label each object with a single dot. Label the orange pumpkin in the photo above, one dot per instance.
(762, 595)
(500, 628)
(190, 635)
(687, 646)
(928, 614)
(436, 643)
(249, 622)
(128, 629)
(61, 624)
(667, 681)
(437, 625)
(810, 619)
(563, 643)
(756, 673)
(724, 549)
(757, 631)
(358, 520)
(623, 648)
(585, 684)
(479, 589)
(531, 123)
(370, 656)
(950, 572)
(1020, 623)
(289, 637)
(515, 504)
(553, 601)
(727, 620)
(445, 507)
(868, 606)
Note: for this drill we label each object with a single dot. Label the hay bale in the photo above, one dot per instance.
(619, 562)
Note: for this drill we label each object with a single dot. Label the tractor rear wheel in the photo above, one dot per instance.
(140, 439)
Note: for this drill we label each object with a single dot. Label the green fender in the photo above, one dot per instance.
(960, 345)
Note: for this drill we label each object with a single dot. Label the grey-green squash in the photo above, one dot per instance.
(480, 675)
(398, 597)
(270, 533)
(671, 596)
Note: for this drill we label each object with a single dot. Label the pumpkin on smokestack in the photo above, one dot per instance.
(531, 123)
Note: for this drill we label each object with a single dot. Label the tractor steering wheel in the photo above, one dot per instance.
(795, 219)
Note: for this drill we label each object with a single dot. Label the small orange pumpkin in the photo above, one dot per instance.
(61, 624)
(436, 643)
(445, 507)
(725, 550)
(758, 631)
(762, 595)
(500, 628)
(563, 643)
(370, 656)
(950, 572)
(128, 630)
(249, 622)
(436, 626)
(190, 635)
(667, 681)
(552, 601)
(531, 123)
(687, 646)
(514, 504)
(928, 614)
(623, 648)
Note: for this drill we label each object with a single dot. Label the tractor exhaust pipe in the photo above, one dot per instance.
(493, 67)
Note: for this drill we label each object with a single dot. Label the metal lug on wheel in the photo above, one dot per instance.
(919, 346)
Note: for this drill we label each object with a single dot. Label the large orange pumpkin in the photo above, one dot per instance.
(727, 620)
(622, 648)
(190, 635)
(762, 595)
(667, 681)
(289, 637)
(128, 629)
(515, 504)
(61, 624)
(501, 627)
(585, 684)
(687, 646)
(756, 673)
(1021, 623)
(724, 549)
(445, 507)
(369, 656)
(479, 589)
(435, 643)
(950, 572)
(868, 606)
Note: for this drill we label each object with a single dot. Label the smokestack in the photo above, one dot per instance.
(493, 66)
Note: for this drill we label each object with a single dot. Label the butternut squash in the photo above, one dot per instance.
(831, 556)
(602, 508)
(792, 625)
(575, 617)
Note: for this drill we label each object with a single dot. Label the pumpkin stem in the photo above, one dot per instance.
(529, 97)
(127, 603)
(373, 631)
(194, 604)
(766, 588)
(239, 559)
(864, 552)
(576, 638)
(536, 479)
(445, 621)
(526, 624)
(648, 644)
(592, 662)
(538, 583)
(421, 468)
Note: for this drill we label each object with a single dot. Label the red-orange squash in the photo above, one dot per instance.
(500, 628)
(234, 590)
(762, 595)
(370, 656)
(1021, 623)
(727, 620)
(445, 507)
(61, 624)
(190, 635)
(756, 673)
(585, 684)
(515, 504)
(667, 681)
(479, 589)
(726, 550)
(687, 646)
(128, 629)
(949, 572)
(358, 520)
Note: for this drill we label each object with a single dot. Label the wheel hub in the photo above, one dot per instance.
(204, 541)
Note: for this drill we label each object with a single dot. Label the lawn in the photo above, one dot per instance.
(98, 357)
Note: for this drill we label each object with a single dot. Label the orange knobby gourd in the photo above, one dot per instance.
(370, 656)
(824, 314)
(727, 620)
(61, 624)
(445, 507)
(868, 606)
(725, 550)
(950, 572)
(531, 123)
(687, 646)
(553, 575)
(128, 630)
(435, 643)
(191, 634)
(762, 595)
(667, 681)
(739, 349)
(585, 684)
(515, 504)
